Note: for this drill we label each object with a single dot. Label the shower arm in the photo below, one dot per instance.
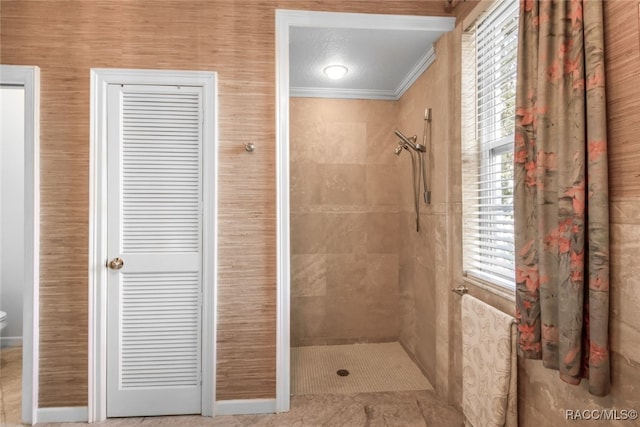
(411, 142)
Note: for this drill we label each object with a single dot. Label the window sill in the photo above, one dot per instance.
(507, 294)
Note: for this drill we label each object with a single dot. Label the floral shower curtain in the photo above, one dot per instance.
(561, 191)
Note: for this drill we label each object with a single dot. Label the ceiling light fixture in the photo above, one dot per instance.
(335, 72)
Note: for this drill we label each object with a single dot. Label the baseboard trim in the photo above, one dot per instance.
(245, 407)
(71, 414)
(75, 414)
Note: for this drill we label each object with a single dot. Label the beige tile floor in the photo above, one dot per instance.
(10, 385)
(392, 409)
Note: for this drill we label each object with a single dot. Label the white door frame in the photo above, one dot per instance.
(285, 19)
(29, 78)
(100, 79)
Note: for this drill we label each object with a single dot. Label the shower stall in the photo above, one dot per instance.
(346, 302)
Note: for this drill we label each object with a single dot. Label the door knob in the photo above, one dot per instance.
(116, 264)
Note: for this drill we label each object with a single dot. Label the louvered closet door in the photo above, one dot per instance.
(154, 226)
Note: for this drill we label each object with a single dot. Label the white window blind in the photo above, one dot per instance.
(491, 50)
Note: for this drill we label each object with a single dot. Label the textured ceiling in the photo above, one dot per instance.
(382, 63)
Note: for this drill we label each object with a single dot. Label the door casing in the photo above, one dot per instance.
(286, 19)
(100, 80)
(28, 77)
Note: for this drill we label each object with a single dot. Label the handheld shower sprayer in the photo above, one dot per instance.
(418, 166)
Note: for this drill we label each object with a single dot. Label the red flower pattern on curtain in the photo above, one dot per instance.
(561, 191)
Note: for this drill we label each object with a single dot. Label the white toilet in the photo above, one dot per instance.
(3, 320)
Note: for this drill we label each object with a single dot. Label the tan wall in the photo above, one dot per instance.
(236, 39)
(622, 56)
(344, 222)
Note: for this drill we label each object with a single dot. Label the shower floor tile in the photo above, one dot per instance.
(372, 368)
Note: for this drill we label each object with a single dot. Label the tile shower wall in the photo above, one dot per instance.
(344, 222)
(425, 264)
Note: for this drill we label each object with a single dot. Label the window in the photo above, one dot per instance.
(489, 78)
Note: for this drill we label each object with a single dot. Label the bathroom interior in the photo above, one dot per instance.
(361, 274)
